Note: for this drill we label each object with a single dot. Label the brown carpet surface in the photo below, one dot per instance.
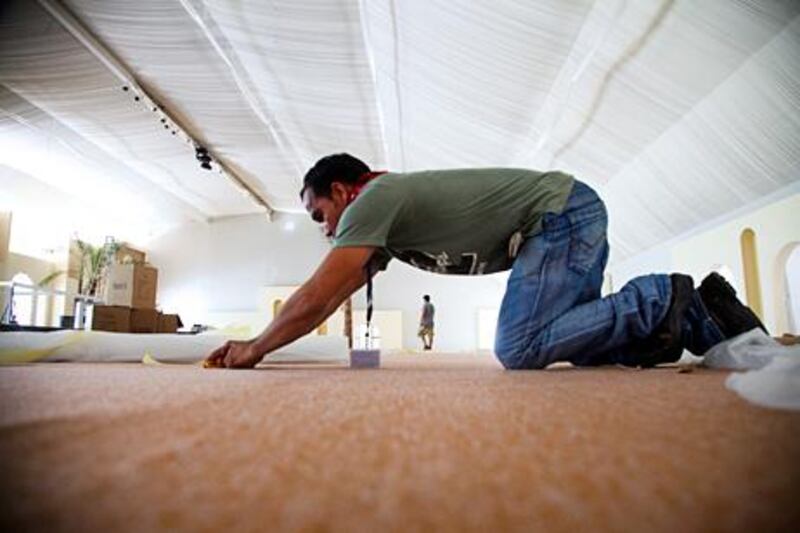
(433, 442)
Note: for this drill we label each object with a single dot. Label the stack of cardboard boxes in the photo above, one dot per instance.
(129, 295)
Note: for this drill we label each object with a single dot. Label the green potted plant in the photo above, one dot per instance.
(94, 260)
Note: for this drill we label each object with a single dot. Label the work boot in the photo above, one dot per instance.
(665, 343)
(731, 315)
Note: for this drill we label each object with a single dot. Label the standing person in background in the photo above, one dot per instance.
(426, 323)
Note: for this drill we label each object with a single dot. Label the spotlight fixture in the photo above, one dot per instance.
(201, 154)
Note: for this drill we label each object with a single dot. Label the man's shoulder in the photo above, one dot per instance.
(448, 172)
(389, 184)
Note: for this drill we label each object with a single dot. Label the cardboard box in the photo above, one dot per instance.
(131, 285)
(127, 254)
(144, 320)
(169, 323)
(111, 318)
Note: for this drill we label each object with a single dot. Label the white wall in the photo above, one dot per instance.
(655, 260)
(223, 266)
(457, 299)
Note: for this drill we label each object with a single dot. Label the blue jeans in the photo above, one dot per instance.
(552, 309)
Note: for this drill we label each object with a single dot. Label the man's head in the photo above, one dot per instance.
(327, 188)
(427, 298)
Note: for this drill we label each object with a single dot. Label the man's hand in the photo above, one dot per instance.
(234, 354)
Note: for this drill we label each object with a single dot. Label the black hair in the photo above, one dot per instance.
(427, 298)
(337, 167)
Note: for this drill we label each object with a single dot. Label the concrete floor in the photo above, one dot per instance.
(428, 442)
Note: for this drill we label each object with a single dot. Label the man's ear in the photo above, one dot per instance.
(339, 191)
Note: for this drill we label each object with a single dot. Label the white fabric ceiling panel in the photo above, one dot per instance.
(460, 82)
(656, 61)
(741, 143)
(310, 66)
(45, 65)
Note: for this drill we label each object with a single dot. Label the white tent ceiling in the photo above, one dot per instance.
(677, 110)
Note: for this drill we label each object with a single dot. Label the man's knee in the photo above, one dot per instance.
(519, 359)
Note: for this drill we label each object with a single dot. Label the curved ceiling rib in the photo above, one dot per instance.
(630, 52)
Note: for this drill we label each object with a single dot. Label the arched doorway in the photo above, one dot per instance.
(752, 280)
(787, 289)
(22, 303)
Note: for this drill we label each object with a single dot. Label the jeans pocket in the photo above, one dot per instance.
(587, 242)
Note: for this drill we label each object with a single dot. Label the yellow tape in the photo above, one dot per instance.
(149, 360)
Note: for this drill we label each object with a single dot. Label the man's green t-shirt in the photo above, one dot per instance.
(452, 221)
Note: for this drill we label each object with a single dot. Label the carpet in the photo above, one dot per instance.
(428, 442)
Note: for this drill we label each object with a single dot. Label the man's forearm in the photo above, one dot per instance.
(339, 276)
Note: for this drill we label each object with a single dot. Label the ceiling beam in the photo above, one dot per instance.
(71, 23)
